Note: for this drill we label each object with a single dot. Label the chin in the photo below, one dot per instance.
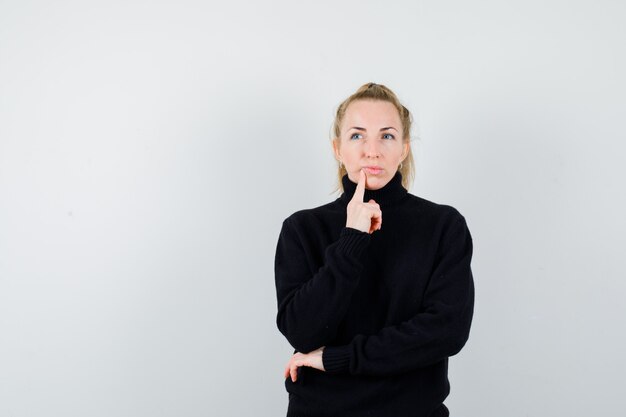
(375, 183)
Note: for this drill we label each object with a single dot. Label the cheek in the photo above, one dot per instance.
(397, 148)
(391, 149)
(350, 153)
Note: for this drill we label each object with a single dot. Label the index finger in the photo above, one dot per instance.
(359, 193)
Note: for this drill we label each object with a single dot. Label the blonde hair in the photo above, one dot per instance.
(373, 91)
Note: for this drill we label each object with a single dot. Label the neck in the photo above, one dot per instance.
(390, 193)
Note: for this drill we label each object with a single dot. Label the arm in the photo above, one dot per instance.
(311, 306)
(438, 331)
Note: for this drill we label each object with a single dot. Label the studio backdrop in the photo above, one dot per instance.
(149, 152)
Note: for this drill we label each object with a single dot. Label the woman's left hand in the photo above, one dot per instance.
(312, 359)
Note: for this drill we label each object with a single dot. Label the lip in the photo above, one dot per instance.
(373, 169)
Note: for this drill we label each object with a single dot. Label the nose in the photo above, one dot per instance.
(371, 149)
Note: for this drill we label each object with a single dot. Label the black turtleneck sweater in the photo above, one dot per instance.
(389, 307)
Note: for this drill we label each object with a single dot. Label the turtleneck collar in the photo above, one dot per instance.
(390, 193)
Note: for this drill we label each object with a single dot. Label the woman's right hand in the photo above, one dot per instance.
(366, 217)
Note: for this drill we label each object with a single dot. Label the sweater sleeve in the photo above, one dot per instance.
(311, 305)
(438, 331)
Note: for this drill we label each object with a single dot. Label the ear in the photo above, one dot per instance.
(405, 153)
(336, 149)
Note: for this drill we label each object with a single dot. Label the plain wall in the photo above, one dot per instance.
(149, 152)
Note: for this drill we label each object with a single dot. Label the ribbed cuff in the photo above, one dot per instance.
(353, 241)
(336, 359)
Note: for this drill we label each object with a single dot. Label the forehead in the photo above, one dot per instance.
(373, 113)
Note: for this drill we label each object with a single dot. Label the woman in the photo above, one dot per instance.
(375, 289)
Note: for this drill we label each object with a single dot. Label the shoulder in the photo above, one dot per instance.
(314, 214)
(434, 209)
(443, 217)
(447, 224)
(310, 222)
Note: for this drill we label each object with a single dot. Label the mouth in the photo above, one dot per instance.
(373, 170)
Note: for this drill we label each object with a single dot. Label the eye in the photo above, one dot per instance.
(389, 134)
(355, 134)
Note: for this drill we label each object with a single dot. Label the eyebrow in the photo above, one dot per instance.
(384, 128)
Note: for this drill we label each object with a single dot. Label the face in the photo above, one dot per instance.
(371, 138)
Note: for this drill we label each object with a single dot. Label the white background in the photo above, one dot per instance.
(149, 152)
